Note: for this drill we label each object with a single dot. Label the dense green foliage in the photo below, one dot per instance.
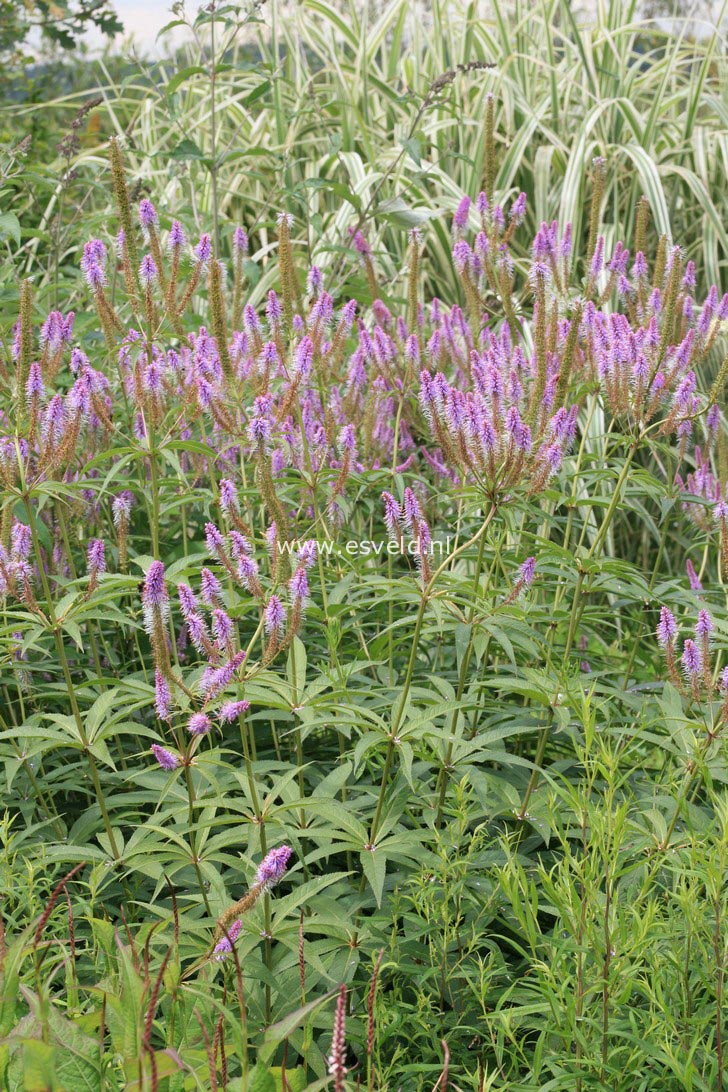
(504, 791)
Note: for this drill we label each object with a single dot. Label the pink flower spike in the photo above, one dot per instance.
(165, 758)
(199, 724)
(273, 866)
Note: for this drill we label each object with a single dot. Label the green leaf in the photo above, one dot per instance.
(261, 1079)
(295, 1079)
(296, 670)
(276, 1033)
(180, 77)
(374, 864)
(10, 225)
(39, 1068)
(186, 149)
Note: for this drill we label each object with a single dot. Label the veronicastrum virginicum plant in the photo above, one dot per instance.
(334, 594)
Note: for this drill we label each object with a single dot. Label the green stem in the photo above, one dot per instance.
(443, 776)
(191, 802)
(575, 616)
(60, 649)
(392, 739)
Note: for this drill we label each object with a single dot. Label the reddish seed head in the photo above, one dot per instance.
(336, 1058)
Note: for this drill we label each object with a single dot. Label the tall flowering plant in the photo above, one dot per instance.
(183, 456)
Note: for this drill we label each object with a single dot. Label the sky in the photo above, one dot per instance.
(143, 19)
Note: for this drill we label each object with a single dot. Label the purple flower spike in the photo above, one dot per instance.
(147, 213)
(96, 555)
(361, 245)
(298, 585)
(147, 270)
(240, 241)
(228, 496)
(462, 212)
(203, 250)
(528, 570)
(199, 724)
(240, 545)
(213, 538)
(347, 439)
(187, 599)
(411, 512)
(314, 281)
(224, 946)
(155, 593)
(666, 627)
(691, 659)
(210, 588)
(34, 388)
(303, 357)
(176, 236)
(392, 513)
(704, 626)
(231, 710)
(273, 867)
(163, 696)
(93, 263)
(222, 626)
(518, 208)
(274, 616)
(307, 553)
(462, 256)
(165, 758)
(21, 540)
(693, 577)
(273, 310)
(121, 507)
